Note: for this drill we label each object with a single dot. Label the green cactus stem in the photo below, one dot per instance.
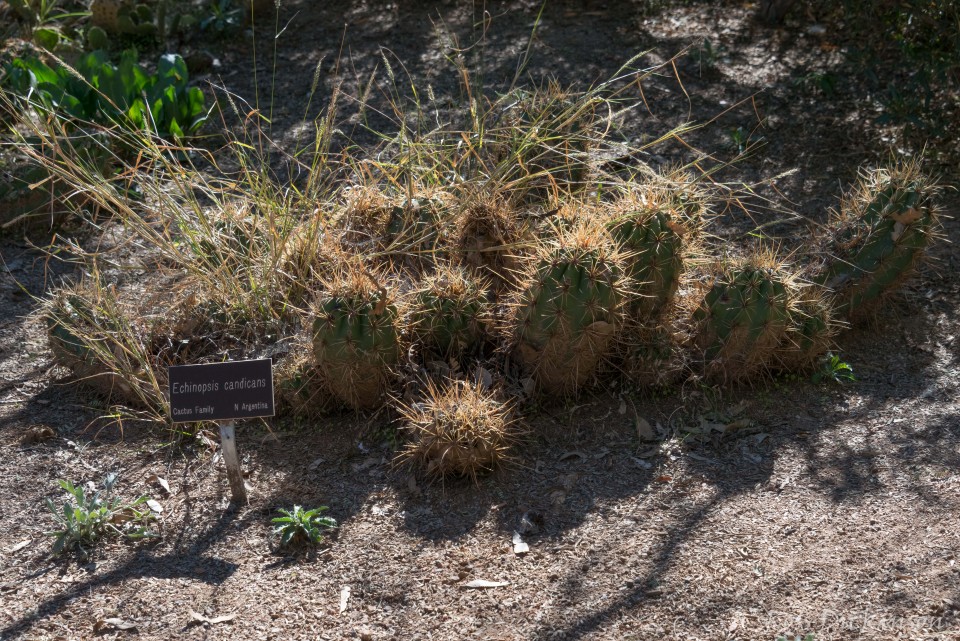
(743, 319)
(356, 338)
(566, 315)
(878, 238)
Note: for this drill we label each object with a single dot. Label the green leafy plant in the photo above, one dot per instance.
(299, 526)
(225, 16)
(39, 13)
(832, 369)
(125, 94)
(85, 518)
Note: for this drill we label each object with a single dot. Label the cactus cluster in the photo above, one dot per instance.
(501, 300)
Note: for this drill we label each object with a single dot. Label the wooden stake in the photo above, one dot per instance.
(228, 444)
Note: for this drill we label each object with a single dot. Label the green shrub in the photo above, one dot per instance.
(126, 95)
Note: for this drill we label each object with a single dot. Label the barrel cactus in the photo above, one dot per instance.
(743, 318)
(878, 237)
(356, 338)
(458, 429)
(449, 312)
(566, 313)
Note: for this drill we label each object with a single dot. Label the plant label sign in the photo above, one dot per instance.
(221, 391)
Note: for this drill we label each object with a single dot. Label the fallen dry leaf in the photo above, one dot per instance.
(200, 618)
(478, 584)
(115, 623)
(154, 506)
(162, 482)
(16, 547)
(344, 597)
(644, 430)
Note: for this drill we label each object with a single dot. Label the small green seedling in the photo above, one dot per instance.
(299, 526)
(833, 370)
(85, 518)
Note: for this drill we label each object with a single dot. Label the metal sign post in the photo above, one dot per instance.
(223, 392)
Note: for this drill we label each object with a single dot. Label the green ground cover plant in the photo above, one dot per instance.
(88, 516)
(300, 526)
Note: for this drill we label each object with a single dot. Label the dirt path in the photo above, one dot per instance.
(831, 509)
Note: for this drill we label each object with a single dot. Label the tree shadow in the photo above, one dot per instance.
(186, 560)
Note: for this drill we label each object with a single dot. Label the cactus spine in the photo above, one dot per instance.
(356, 337)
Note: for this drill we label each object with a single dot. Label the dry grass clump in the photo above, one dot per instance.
(105, 344)
(458, 429)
